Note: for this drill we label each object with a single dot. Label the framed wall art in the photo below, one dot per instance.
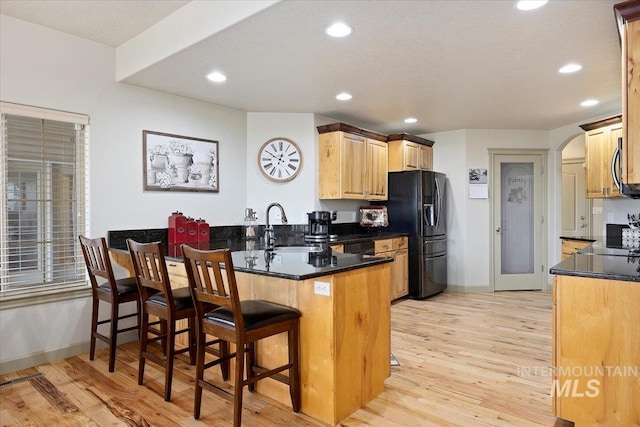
(179, 163)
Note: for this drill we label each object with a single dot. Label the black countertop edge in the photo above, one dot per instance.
(582, 238)
(609, 267)
(326, 271)
(594, 275)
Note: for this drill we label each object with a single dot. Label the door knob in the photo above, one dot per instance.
(498, 230)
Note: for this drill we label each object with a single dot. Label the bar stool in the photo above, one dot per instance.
(169, 305)
(240, 322)
(113, 291)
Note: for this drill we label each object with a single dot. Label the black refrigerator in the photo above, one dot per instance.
(416, 206)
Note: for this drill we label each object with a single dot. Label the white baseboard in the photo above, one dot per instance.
(41, 358)
(470, 289)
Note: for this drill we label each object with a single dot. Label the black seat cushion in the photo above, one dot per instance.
(181, 298)
(255, 314)
(125, 286)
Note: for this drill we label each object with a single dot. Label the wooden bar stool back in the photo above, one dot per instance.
(239, 322)
(169, 305)
(111, 290)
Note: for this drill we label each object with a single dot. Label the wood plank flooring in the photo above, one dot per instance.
(462, 360)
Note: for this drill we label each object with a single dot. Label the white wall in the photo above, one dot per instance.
(469, 223)
(297, 196)
(59, 71)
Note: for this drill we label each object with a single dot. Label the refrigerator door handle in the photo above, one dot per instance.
(438, 202)
(435, 257)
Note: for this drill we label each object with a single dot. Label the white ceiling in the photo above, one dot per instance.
(451, 64)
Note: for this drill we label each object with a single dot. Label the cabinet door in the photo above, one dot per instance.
(426, 158)
(400, 279)
(377, 169)
(353, 167)
(411, 155)
(595, 147)
(631, 103)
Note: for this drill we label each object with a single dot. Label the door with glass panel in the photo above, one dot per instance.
(518, 222)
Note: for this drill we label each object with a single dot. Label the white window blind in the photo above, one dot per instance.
(43, 183)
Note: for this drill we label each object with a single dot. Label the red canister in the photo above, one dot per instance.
(192, 231)
(177, 228)
(203, 233)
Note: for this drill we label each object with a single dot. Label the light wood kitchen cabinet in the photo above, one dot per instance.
(353, 163)
(571, 246)
(398, 250)
(409, 152)
(601, 141)
(628, 19)
(595, 357)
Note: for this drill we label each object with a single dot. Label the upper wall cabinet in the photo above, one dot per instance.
(409, 152)
(600, 143)
(353, 163)
(628, 19)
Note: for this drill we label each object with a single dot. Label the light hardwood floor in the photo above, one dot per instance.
(461, 358)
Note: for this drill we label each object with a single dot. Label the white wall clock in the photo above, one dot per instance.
(280, 159)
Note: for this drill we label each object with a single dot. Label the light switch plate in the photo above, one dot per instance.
(322, 288)
(597, 210)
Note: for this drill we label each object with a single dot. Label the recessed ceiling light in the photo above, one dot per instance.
(339, 30)
(530, 4)
(589, 103)
(217, 77)
(570, 68)
(344, 96)
(410, 120)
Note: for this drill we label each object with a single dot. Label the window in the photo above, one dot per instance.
(42, 199)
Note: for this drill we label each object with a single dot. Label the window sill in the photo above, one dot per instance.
(35, 298)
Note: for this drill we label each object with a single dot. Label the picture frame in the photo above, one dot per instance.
(179, 163)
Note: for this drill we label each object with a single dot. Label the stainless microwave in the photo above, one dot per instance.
(616, 174)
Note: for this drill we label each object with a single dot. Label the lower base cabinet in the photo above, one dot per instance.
(595, 351)
(398, 250)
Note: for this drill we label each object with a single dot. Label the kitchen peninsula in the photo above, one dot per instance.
(596, 333)
(344, 329)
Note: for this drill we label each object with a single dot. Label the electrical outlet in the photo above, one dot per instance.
(322, 288)
(277, 260)
(277, 216)
(610, 217)
(597, 210)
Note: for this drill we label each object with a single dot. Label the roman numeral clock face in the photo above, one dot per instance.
(280, 159)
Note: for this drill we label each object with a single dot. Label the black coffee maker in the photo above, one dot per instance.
(319, 229)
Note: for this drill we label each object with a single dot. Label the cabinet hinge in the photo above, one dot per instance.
(542, 268)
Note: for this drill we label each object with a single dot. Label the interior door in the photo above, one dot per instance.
(518, 219)
(575, 206)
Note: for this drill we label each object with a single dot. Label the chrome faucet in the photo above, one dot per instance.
(269, 233)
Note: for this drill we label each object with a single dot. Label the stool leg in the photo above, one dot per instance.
(224, 355)
(144, 331)
(168, 375)
(294, 370)
(94, 327)
(113, 337)
(251, 362)
(237, 395)
(197, 401)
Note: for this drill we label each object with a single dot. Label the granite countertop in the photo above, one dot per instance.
(599, 261)
(287, 262)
